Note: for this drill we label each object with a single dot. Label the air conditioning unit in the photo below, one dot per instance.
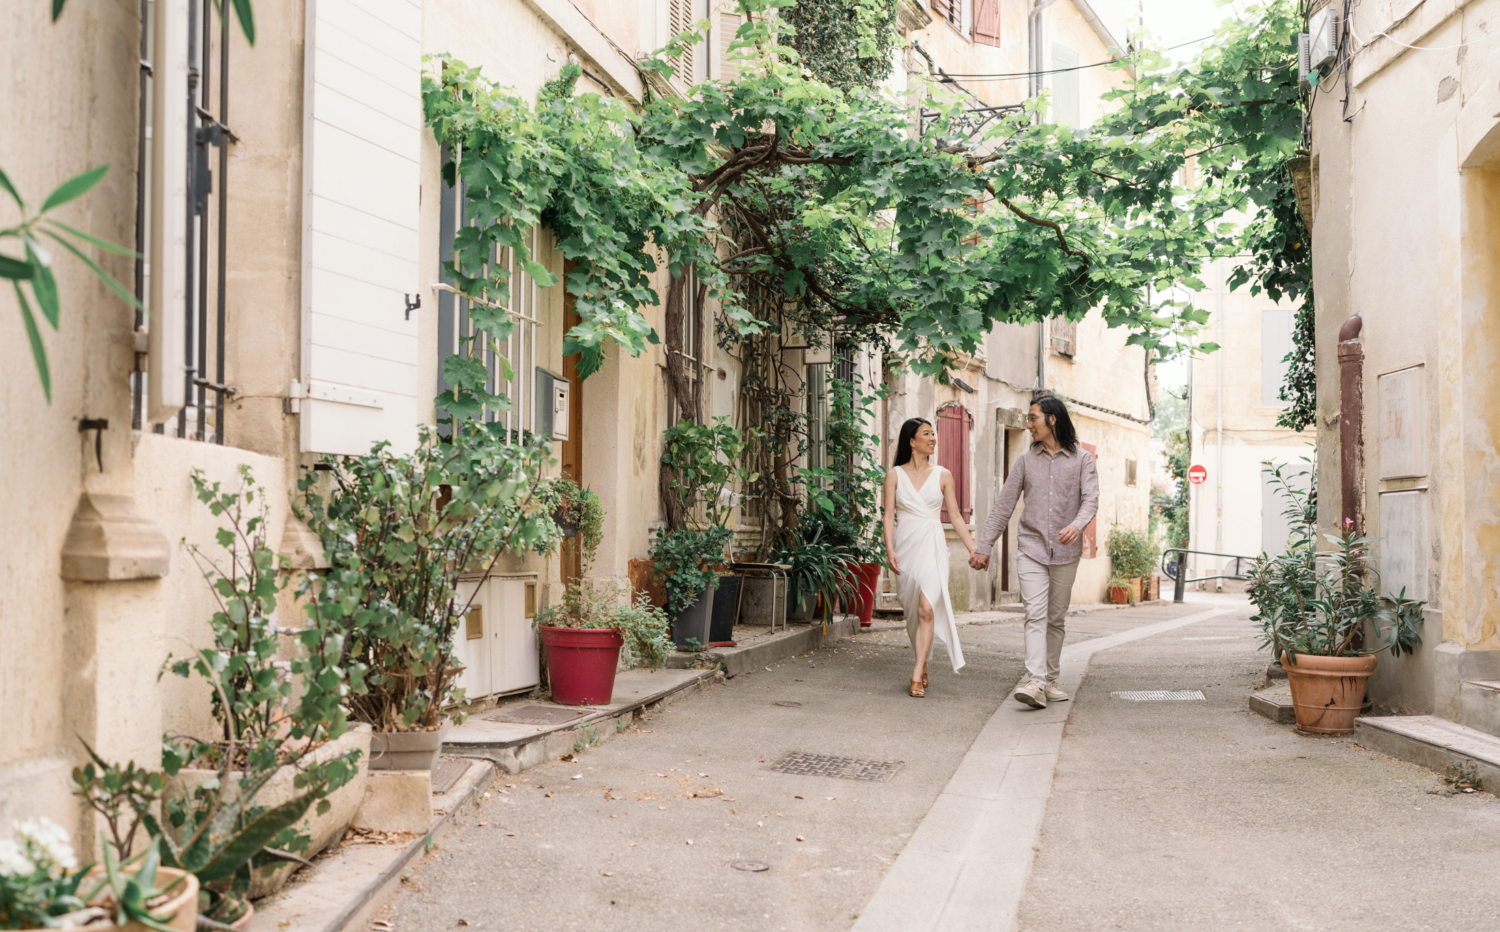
(1322, 38)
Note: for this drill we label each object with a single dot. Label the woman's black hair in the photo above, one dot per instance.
(1057, 416)
(903, 440)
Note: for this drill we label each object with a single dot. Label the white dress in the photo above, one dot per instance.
(922, 551)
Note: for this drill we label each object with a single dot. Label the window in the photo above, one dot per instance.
(817, 415)
(987, 22)
(953, 455)
(1065, 338)
(1275, 344)
(1064, 85)
(179, 384)
(950, 11)
(519, 349)
(1130, 472)
(692, 348)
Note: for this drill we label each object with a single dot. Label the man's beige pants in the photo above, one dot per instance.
(1046, 590)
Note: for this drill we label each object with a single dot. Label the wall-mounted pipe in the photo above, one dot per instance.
(1352, 423)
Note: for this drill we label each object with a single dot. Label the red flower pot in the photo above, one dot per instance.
(581, 663)
(869, 579)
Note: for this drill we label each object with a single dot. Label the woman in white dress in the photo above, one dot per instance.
(916, 490)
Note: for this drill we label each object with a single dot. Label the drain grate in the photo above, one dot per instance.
(543, 715)
(1158, 695)
(844, 768)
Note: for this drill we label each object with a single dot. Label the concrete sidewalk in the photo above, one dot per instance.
(1204, 815)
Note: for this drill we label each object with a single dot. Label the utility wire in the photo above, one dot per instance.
(1097, 64)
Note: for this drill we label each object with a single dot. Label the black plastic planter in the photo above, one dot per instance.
(691, 626)
(726, 609)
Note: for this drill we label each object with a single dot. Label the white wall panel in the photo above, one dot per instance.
(362, 141)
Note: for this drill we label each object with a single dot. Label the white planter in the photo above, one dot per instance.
(325, 829)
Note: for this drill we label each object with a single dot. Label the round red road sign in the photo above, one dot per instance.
(1197, 475)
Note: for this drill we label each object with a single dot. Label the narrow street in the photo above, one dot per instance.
(1162, 814)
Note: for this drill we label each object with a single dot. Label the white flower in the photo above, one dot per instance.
(51, 838)
(13, 860)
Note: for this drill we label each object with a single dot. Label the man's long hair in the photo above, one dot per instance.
(1057, 417)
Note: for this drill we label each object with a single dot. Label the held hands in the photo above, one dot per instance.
(979, 561)
(1068, 536)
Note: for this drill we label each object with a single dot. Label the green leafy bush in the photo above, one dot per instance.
(820, 567)
(685, 561)
(399, 531)
(1132, 554)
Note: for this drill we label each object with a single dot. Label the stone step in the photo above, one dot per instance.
(1432, 742)
(1275, 703)
(1479, 704)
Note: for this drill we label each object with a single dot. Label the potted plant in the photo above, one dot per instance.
(42, 886)
(1322, 612)
(585, 635)
(1132, 557)
(845, 500)
(576, 512)
(690, 559)
(399, 531)
(685, 562)
(818, 568)
(269, 748)
(1122, 591)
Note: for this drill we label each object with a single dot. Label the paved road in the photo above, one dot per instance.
(1162, 815)
(610, 850)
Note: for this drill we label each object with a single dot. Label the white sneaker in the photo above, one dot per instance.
(1032, 693)
(1054, 694)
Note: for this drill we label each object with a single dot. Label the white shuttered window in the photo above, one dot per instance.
(362, 138)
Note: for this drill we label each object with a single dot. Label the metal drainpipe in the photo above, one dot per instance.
(1219, 418)
(1041, 355)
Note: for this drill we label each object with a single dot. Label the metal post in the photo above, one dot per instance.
(1178, 578)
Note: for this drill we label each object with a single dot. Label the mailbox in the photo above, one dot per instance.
(552, 399)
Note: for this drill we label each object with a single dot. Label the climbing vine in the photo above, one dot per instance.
(845, 45)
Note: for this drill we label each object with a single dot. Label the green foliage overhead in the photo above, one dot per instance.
(841, 43)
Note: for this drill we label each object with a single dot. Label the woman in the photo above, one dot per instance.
(1061, 487)
(916, 490)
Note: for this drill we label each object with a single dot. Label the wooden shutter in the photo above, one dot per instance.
(362, 135)
(1090, 533)
(679, 19)
(949, 10)
(953, 455)
(987, 22)
(1065, 337)
(724, 31)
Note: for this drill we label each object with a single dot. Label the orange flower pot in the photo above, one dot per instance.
(1327, 692)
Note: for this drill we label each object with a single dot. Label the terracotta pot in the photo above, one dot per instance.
(182, 908)
(1327, 692)
(581, 662)
(1119, 595)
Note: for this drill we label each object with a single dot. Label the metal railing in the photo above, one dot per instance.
(1179, 580)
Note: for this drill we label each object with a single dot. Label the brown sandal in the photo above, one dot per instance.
(924, 681)
(916, 691)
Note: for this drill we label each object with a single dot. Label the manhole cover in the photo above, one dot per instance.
(446, 773)
(844, 768)
(1158, 695)
(750, 866)
(789, 704)
(535, 715)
